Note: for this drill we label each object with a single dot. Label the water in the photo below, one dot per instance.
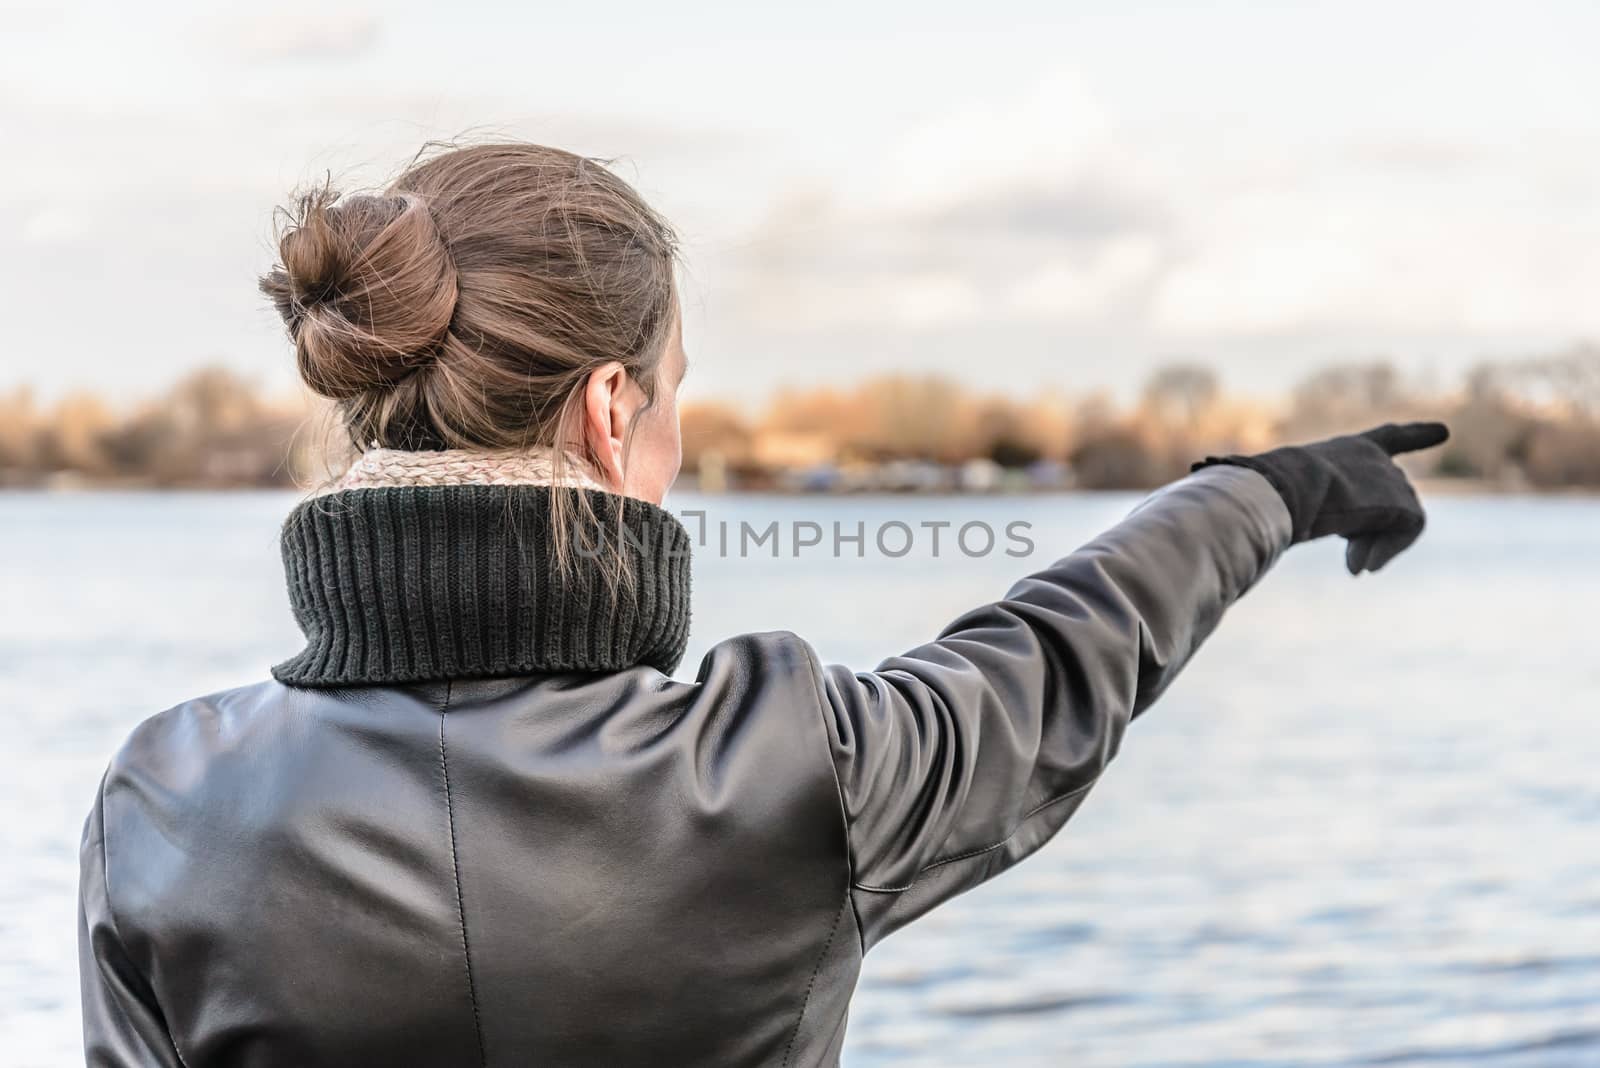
(1361, 829)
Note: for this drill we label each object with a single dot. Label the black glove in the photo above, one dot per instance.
(1349, 486)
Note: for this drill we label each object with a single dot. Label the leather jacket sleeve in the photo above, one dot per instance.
(122, 1026)
(963, 756)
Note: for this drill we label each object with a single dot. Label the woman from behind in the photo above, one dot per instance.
(475, 821)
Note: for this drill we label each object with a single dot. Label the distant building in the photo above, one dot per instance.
(980, 475)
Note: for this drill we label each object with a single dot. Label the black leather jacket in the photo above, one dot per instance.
(615, 868)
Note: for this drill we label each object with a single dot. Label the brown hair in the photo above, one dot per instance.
(465, 305)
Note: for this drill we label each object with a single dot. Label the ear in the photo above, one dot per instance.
(609, 406)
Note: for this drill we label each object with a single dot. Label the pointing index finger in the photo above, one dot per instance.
(1396, 438)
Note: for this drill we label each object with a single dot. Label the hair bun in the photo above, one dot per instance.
(367, 288)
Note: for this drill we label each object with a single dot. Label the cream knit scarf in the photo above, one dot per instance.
(384, 468)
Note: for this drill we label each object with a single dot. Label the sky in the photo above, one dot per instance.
(1019, 195)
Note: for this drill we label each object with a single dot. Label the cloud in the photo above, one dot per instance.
(1052, 129)
(31, 17)
(1048, 208)
(1060, 254)
(55, 224)
(99, 220)
(301, 34)
(1427, 154)
(1005, 225)
(1043, 210)
(1021, 211)
(1113, 281)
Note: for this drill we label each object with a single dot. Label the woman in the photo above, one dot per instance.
(474, 822)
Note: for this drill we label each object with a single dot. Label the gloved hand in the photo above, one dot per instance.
(1350, 486)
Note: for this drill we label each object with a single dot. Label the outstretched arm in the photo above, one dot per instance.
(964, 755)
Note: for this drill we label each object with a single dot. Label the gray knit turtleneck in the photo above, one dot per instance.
(412, 583)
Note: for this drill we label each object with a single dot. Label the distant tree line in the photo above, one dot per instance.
(1522, 424)
(1531, 423)
(212, 429)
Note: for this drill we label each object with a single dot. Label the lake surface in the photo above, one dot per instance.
(1362, 828)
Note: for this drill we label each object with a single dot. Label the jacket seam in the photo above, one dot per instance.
(815, 671)
(111, 913)
(788, 1051)
(1023, 822)
(455, 871)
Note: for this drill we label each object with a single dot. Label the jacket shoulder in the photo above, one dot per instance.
(777, 662)
(200, 721)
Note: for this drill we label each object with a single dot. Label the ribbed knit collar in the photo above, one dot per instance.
(408, 583)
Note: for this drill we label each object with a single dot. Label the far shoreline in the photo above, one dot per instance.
(1427, 487)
